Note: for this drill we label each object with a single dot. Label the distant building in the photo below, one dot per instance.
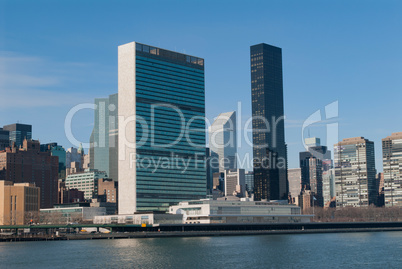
(74, 155)
(85, 181)
(305, 200)
(87, 159)
(67, 196)
(19, 203)
(108, 189)
(328, 186)
(4, 139)
(270, 181)
(235, 184)
(59, 151)
(75, 167)
(392, 164)
(380, 189)
(294, 177)
(104, 138)
(223, 141)
(311, 164)
(355, 172)
(219, 181)
(209, 170)
(249, 179)
(18, 133)
(28, 164)
(113, 137)
(237, 212)
(312, 142)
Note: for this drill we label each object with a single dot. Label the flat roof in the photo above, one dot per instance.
(152, 51)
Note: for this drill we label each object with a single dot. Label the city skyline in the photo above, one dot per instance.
(334, 62)
(266, 131)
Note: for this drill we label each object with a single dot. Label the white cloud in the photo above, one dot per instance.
(27, 81)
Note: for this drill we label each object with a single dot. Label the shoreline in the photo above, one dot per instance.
(166, 234)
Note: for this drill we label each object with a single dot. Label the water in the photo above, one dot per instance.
(346, 250)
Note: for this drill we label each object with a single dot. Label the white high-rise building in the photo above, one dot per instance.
(161, 128)
(222, 140)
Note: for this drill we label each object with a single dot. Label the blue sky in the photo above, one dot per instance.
(57, 54)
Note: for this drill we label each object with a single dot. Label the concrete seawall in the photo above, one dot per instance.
(157, 234)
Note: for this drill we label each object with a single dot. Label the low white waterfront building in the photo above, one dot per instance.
(65, 213)
(236, 212)
(140, 218)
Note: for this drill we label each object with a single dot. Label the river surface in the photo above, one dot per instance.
(330, 250)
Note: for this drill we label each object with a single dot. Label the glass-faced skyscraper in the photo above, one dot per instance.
(269, 148)
(104, 138)
(19, 132)
(161, 128)
(223, 141)
(4, 139)
(99, 145)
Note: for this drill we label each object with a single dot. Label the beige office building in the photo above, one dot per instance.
(19, 203)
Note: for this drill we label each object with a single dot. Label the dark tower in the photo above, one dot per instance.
(269, 148)
(19, 132)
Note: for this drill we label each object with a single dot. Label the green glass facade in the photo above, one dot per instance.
(100, 136)
(170, 129)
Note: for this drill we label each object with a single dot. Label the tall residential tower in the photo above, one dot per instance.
(392, 164)
(355, 172)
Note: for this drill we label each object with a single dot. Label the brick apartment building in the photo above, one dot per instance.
(26, 164)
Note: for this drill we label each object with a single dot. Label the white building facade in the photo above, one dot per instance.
(86, 182)
(237, 212)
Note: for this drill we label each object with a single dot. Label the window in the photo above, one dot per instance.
(154, 51)
(145, 48)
